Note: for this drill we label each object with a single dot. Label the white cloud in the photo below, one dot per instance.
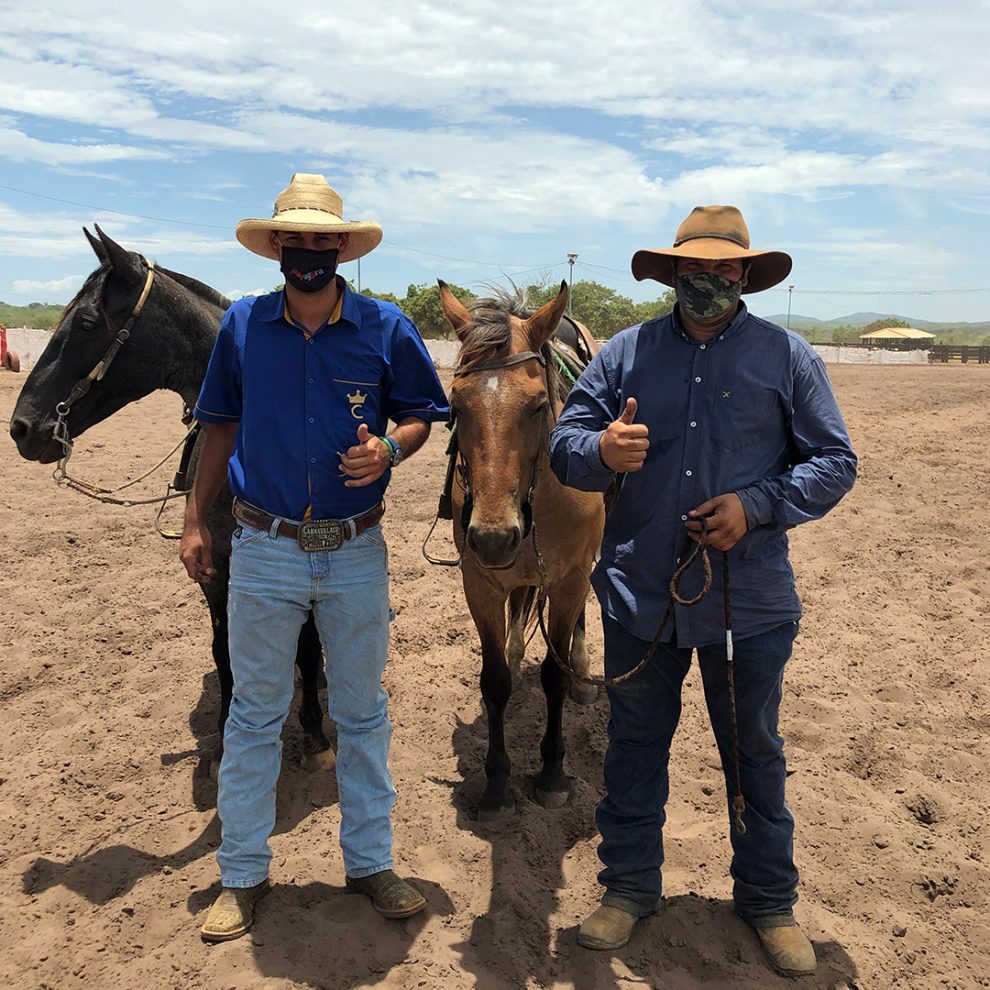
(54, 290)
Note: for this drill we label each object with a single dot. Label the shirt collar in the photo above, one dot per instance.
(274, 306)
(733, 327)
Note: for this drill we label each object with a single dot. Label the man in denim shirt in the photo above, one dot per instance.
(711, 412)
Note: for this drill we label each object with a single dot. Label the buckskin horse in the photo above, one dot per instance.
(133, 328)
(522, 535)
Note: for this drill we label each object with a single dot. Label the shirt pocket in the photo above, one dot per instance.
(745, 415)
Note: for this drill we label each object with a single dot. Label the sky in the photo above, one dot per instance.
(492, 138)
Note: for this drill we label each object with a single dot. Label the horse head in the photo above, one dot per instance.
(82, 349)
(503, 400)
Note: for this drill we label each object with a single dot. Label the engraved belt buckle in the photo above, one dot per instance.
(321, 534)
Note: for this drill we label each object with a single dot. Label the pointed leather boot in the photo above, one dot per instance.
(789, 950)
(607, 928)
(390, 895)
(232, 913)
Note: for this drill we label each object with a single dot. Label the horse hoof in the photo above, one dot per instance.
(316, 762)
(552, 799)
(583, 694)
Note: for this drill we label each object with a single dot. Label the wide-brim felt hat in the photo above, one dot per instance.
(714, 233)
(309, 205)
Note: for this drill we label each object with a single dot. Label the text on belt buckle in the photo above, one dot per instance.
(321, 534)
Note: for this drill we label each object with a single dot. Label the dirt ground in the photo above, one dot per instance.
(107, 828)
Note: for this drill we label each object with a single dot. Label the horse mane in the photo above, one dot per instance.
(94, 282)
(197, 288)
(491, 331)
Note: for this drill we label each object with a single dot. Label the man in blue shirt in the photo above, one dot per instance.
(298, 395)
(707, 412)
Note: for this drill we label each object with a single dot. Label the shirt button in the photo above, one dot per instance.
(688, 473)
(312, 419)
(693, 423)
(312, 460)
(697, 379)
(310, 381)
(684, 518)
(702, 346)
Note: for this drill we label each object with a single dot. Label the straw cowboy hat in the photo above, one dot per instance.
(309, 204)
(713, 233)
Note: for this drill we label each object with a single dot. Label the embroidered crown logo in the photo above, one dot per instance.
(358, 398)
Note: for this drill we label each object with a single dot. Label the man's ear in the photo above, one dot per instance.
(745, 274)
(276, 244)
(342, 242)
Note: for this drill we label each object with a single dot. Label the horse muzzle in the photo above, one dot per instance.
(34, 442)
(495, 547)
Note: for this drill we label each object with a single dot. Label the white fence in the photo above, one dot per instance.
(833, 354)
(28, 344)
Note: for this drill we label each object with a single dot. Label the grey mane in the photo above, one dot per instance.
(490, 333)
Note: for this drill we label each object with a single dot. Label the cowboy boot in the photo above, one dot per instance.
(789, 950)
(607, 928)
(390, 895)
(232, 913)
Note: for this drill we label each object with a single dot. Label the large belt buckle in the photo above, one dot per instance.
(321, 534)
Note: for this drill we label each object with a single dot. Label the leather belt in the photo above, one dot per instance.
(313, 534)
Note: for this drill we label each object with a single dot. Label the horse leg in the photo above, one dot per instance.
(487, 607)
(566, 603)
(580, 691)
(221, 658)
(318, 751)
(520, 605)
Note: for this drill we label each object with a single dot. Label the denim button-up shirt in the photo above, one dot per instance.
(750, 411)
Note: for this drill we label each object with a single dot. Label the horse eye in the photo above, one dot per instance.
(88, 323)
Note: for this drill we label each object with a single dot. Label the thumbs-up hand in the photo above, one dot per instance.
(623, 446)
(366, 461)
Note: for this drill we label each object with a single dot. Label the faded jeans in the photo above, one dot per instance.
(644, 714)
(273, 585)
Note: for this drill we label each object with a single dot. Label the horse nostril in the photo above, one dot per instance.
(19, 429)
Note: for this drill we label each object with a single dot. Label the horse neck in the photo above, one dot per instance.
(188, 326)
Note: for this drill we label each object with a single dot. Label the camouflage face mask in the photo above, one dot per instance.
(707, 298)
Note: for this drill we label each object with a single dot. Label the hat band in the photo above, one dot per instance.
(715, 237)
(315, 209)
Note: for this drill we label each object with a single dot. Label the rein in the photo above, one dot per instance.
(61, 433)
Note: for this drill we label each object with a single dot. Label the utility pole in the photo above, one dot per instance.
(790, 292)
(359, 274)
(571, 258)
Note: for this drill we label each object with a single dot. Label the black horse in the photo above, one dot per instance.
(168, 347)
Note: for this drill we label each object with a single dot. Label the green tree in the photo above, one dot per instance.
(656, 307)
(422, 306)
(884, 323)
(846, 333)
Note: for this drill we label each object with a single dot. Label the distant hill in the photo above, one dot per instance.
(35, 316)
(810, 324)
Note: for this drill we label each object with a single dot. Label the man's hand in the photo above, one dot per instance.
(196, 553)
(624, 444)
(365, 462)
(726, 521)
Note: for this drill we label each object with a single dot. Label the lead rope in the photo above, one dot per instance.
(700, 548)
(738, 801)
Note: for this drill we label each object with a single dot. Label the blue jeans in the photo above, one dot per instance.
(644, 714)
(273, 585)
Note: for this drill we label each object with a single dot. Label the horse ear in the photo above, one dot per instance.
(98, 249)
(455, 311)
(123, 262)
(541, 325)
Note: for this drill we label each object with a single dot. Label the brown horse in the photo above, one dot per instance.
(520, 531)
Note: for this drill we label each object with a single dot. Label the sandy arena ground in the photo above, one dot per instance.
(109, 699)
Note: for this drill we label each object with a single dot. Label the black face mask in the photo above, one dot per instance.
(306, 270)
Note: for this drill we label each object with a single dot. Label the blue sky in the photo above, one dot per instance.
(491, 139)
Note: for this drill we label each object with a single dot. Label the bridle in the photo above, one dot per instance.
(457, 462)
(61, 434)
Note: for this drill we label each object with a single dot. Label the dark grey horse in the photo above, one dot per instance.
(168, 348)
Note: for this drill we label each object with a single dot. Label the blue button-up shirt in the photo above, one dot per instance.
(750, 411)
(300, 398)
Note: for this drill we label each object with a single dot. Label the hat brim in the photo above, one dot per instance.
(254, 233)
(767, 268)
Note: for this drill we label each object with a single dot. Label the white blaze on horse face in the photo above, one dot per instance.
(491, 383)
